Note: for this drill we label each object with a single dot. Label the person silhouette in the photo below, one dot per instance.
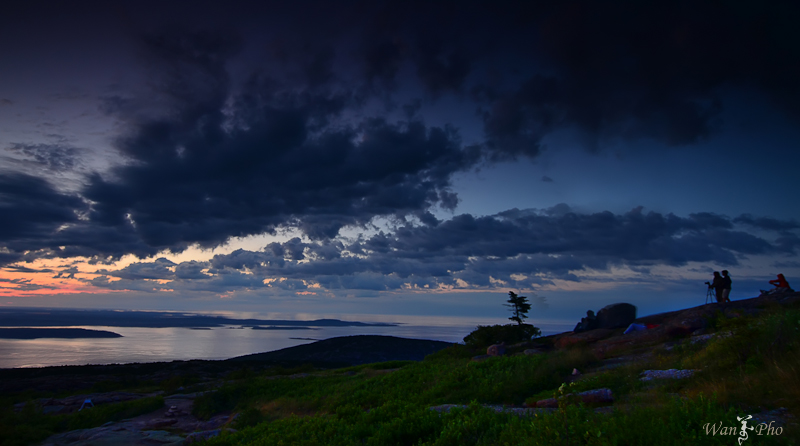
(726, 286)
(717, 284)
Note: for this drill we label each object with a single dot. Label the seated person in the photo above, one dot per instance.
(639, 327)
(781, 286)
(635, 327)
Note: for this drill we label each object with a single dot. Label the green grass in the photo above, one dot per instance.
(757, 366)
(442, 379)
(754, 369)
(395, 423)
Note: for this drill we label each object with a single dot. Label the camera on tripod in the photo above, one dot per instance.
(711, 294)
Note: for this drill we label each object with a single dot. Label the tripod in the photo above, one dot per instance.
(711, 295)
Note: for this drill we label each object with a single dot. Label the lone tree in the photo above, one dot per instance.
(519, 305)
(486, 335)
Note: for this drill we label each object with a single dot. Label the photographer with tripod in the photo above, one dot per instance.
(718, 285)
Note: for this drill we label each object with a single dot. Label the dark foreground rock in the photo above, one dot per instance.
(596, 396)
(114, 436)
(164, 426)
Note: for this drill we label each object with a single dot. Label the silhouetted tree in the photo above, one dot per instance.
(519, 305)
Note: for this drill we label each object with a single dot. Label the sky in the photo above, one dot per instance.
(396, 158)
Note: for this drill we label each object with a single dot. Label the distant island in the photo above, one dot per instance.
(60, 333)
(258, 327)
(58, 317)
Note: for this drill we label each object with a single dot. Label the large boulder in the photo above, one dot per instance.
(616, 315)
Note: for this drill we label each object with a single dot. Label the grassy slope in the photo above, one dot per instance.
(752, 370)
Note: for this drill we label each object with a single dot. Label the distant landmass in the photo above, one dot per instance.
(283, 328)
(62, 333)
(39, 317)
(351, 350)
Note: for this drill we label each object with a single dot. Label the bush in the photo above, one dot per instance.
(455, 351)
(486, 335)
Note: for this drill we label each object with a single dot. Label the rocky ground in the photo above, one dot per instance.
(618, 349)
(671, 326)
(171, 425)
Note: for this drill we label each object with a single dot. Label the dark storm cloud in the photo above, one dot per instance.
(269, 127)
(440, 70)
(201, 175)
(514, 248)
(768, 223)
(633, 237)
(41, 222)
(158, 269)
(56, 157)
(787, 240)
(26, 285)
(67, 273)
(25, 269)
(382, 61)
(643, 70)
(190, 270)
(32, 209)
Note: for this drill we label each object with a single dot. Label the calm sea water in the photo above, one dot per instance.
(168, 344)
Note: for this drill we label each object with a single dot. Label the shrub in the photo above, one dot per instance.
(486, 335)
(455, 351)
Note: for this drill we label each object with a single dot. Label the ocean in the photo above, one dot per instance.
(168, 344)
(147, 344)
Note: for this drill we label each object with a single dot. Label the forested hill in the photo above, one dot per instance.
(352, 350)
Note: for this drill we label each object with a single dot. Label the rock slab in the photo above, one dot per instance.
(649, 375)
(596, 396)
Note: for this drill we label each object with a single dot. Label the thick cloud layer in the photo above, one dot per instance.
(517, 248)
(290, 119)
